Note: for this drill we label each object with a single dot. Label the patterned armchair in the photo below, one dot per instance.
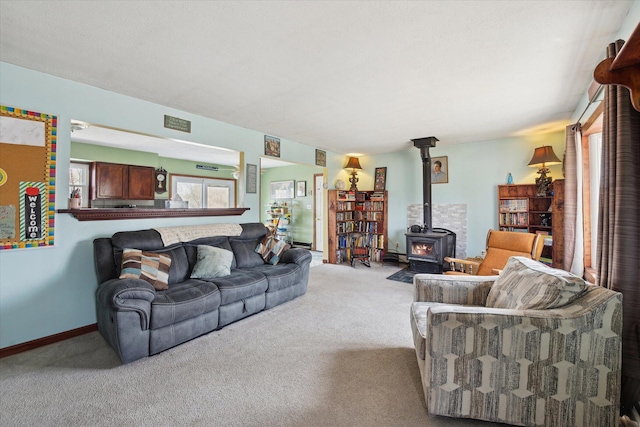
(512, 350)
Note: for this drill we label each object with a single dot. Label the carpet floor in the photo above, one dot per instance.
(340, 355)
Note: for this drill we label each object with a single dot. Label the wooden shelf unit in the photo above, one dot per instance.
(356, 212)
(280, 214)
(519, 209)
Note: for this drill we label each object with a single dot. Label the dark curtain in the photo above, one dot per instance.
(618, 251)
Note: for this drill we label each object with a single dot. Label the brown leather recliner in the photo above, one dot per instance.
(500, 246)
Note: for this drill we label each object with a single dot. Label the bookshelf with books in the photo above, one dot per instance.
(519, 209)
(356, 219)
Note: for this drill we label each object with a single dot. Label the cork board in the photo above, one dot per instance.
(27, 178)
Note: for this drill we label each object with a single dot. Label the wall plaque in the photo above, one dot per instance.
(177, 124)
(207, 168)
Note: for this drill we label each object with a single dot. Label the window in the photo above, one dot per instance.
(591, 164)
(595, 159)
(79, 182)
(203, 192)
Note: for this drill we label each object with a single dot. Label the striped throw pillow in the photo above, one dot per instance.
(271, 248)
(525, 284)
(148, 266)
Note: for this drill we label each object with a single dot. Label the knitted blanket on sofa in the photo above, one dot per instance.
(171, 235)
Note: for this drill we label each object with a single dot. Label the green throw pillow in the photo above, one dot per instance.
(212, 262)
(148, 266)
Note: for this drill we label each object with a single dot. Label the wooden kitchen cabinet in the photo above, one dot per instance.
(141, 183)
(123, 182)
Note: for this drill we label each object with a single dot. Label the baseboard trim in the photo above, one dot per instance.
(40, 342)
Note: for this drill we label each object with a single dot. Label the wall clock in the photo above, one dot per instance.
(161, 180)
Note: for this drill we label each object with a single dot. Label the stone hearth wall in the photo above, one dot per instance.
(451, 217)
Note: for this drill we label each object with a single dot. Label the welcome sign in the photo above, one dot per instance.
(32, 210)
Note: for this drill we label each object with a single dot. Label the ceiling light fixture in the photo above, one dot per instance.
(78, 126)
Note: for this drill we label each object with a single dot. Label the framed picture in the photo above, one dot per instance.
(439, 170)
(271, 146)
(380, 179)
(321, 158)
(252, 178)
(281, 190)
(301, 188)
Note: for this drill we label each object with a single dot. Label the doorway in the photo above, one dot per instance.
(318, 212)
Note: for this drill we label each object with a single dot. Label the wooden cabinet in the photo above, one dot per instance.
(519, 209)
(361, 212)
(123, 182)
(141, 183)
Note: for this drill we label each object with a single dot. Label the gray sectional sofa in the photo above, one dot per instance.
(138, 320)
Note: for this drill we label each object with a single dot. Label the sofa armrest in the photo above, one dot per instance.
(298, 256)
(127, 295)
(471, 290)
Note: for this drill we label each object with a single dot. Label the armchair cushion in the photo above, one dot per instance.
(526, 284)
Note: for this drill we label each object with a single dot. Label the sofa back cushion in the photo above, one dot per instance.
(244, 246)
(525, 284)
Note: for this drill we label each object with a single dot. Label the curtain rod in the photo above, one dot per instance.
(591, 101)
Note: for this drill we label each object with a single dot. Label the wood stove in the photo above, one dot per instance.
(426, 250)
(427, 246)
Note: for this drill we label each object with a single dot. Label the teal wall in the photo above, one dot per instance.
(302, 207)
(475, 171)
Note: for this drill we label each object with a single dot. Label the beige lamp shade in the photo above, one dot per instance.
(353, 163)
(544, 156)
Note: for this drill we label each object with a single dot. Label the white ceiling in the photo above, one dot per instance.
(346, 76)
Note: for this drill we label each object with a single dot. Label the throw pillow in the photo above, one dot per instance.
(270, 249)
(212, 262)
(148, 266)
(525, 284)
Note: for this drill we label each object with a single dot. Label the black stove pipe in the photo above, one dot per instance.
(424, 144)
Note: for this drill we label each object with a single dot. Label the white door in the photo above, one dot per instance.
(318, 211)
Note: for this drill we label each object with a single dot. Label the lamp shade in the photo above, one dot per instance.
(353, 163)
(544, 156)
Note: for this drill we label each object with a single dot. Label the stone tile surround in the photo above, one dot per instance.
(452, 217)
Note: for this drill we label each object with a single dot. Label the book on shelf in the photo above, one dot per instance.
(546, 261)
(347, 195)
